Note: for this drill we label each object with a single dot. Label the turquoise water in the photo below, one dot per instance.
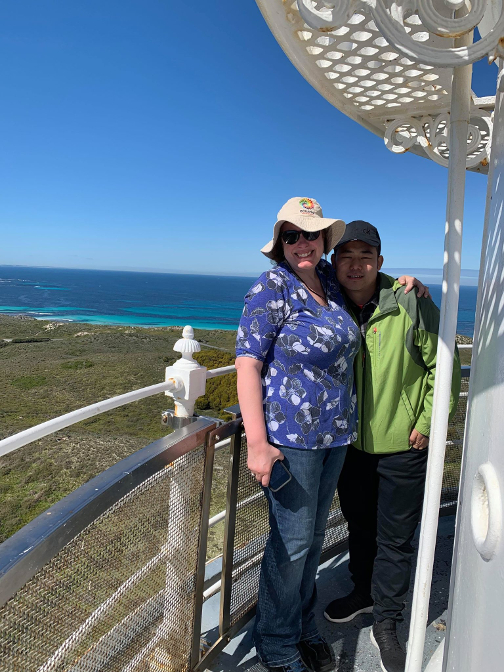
(121, 298)
(146, 299)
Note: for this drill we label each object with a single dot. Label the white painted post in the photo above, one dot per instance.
(459, 118)
(191, 374)
(474, 638)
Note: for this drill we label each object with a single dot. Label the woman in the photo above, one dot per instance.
(295, 351)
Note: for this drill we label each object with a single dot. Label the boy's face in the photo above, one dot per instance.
(357, 265)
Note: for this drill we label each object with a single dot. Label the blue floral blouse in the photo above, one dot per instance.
(307, 352)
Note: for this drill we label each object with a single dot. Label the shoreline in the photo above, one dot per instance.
(195, 324)
(22, 317)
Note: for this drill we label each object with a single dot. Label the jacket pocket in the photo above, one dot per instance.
(408, 406)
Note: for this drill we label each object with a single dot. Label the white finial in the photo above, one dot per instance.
(187, 344)
(188, 374)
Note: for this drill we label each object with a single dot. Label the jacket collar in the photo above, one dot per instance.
(387, 286)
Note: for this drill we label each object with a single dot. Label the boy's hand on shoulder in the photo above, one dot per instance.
(418, 441)
(411, 282)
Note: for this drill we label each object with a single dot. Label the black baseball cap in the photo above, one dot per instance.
(360, 230)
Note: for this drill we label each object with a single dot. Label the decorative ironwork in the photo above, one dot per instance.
(432, 134)
(370, 74)
(437, 17)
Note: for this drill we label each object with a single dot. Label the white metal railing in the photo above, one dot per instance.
(222, 371)
(20, 439)
(33, 433)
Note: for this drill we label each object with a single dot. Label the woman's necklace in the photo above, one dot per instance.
(322, 296)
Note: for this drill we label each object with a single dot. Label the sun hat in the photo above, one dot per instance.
(361, 230)
(307, 214)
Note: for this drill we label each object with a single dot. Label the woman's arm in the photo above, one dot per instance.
(261, 454)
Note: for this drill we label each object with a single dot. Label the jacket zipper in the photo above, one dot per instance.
(361, 414)
(364, 367)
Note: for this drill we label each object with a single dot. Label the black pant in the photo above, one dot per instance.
(381, 498)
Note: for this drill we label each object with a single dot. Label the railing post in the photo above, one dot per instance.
(229, 532)
(210, 442)
(190, 375)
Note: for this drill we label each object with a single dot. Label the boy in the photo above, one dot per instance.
(382, 482)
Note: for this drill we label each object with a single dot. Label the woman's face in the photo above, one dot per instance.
(305, 254)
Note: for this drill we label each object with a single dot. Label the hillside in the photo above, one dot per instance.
(79, 365)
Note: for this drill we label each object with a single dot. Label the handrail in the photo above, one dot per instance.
(50, 426)
(46, 535)
(222, 371)
(55, 424)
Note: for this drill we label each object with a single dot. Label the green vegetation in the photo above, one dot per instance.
(49, 369)
(77, 364)
(28, 382)
(220, 392)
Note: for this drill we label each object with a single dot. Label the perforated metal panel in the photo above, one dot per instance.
(120, 596)
(336, 528)
(454, 443)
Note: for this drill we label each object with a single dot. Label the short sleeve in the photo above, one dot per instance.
(266, 308)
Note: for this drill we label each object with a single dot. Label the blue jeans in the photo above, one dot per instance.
(297, 515)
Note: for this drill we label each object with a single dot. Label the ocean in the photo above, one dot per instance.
(147, 299)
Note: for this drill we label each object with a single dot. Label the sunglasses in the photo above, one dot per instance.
(292, 237)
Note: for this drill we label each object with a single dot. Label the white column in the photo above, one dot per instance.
(459, 118)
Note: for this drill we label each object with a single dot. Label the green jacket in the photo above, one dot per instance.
(394, 370)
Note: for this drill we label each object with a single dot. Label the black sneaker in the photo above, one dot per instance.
(316, 654)
(346, 608)
(383, 636)
(296, 666)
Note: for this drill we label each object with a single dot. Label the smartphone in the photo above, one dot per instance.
(279, 476)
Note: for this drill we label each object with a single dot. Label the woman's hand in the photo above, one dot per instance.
(411, 282)
(260, 460)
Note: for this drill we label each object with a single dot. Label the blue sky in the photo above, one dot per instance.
(156, 135)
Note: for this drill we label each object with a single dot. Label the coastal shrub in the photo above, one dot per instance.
(78, 364)
(29, 382)
(214, 359)
(220, 392)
